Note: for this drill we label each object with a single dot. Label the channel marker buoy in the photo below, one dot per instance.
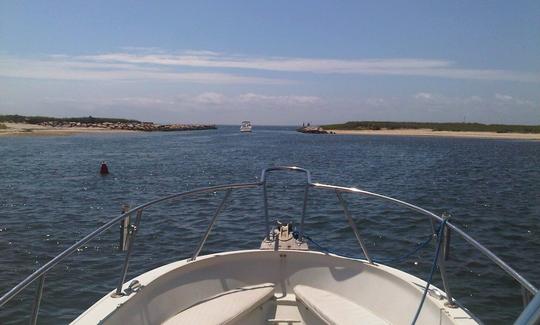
(104, 170)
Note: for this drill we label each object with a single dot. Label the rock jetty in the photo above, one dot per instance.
(313, 130)
(132, 126)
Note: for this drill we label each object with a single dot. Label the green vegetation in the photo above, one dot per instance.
(3, 126)
(474, 127)
(41, 119)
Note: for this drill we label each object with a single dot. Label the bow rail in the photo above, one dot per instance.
(528, 289)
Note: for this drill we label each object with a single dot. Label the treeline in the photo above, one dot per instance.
(474, 127)
(42, 119)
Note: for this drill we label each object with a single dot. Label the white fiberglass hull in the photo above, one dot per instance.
(275, 287)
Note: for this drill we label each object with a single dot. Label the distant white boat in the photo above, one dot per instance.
(245, 127)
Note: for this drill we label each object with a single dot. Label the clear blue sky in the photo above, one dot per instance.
(273, 62)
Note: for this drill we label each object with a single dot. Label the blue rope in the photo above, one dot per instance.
(418, 248)
(398, 259)
(406, 256)
(318, 246)
(433, 268)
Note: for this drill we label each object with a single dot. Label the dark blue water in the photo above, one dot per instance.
(52, 195)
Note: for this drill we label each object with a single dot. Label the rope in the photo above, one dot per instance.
(418, 248)
(316, 244)
(406, 256)
(433, 268)
(398, 259)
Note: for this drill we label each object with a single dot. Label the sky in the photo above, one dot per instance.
(272, 62)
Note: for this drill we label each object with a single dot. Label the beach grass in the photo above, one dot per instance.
(41, 119)
(456, 127)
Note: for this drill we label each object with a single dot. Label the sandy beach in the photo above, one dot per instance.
(23, 129)
(431, 133)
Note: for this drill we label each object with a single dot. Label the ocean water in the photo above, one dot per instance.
(51, 195)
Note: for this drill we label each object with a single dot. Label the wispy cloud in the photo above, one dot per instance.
(209, 98)
(251, 100)
(233, 107)
(214, 67)
(279, 100)
(204, 99)
(396, 66)
(61, 67)
(217, 60)
(507, 99)
(452, 101)
(423, 96)
(141, 101)
(503, 97)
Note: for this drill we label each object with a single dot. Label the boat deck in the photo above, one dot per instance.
(275, 287)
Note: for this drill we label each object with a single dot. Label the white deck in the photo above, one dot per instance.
(275, 287)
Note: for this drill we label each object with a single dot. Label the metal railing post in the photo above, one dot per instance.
(526, 296)
(266, 218)
(212, 222)
(433, 231)
(265, 194)
(37, 300)
(443, 256)
(131, 241)
(353, 226)
(304, 212)
(124, 228)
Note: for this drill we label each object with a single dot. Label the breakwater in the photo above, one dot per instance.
(130, 126)
(313, 130)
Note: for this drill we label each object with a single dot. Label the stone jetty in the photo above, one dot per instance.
(130, 126)
(313, 130)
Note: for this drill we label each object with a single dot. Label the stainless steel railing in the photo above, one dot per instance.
(39, 275)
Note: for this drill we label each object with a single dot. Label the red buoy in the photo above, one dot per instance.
(104, 170)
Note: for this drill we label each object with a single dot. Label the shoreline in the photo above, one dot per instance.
(22, 129)
(448, 134)
(25, 129)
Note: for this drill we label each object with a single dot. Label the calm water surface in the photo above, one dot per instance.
(51, 195)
